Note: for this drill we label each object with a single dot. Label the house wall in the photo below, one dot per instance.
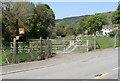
(106, 30)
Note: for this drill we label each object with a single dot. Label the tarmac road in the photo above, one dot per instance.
(99, 64)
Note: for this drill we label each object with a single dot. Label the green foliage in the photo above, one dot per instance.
(91, 24)
(41, 19)
(23, 54)
(82, 25)
(116, 32)
(70, 29)
(11, 12)
(58, 29)
(95, 22)
(70, 20)
(35, 19)
(85, 24)
(116, 16)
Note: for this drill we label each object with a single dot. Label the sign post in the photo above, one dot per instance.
(21, 31)
(17, 35)
(14, 49)
(17, 38)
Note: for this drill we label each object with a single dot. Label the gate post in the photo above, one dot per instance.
(47, 46)
(87, 45)
(94, 42)
(41, 45)
(14, 50)
(50, 46)
(115, 41)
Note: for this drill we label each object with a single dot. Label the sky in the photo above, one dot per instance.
(70, 9)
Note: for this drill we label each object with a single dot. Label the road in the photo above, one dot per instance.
(99, 64)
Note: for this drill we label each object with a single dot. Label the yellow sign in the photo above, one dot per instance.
(17, 37)
(21, 31)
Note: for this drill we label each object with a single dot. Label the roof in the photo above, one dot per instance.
(116, 24)
(99, 31)
(107, 26)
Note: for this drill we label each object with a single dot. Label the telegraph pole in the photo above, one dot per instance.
(17, 34)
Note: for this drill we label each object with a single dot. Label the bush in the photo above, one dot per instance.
(53, 35)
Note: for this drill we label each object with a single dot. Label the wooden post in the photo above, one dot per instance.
(17, 34)
(40, 45)
(63, 43)
(115, 41)
(87, 45)
(94, 42)
(14, 50)
(48, 46)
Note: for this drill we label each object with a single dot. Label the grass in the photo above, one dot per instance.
(59, 45)
(23, 57)
(80, 49)
(0, 57)
(69, 37)
(104, 42)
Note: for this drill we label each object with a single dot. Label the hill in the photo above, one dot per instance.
(74, 20)
(70, 20)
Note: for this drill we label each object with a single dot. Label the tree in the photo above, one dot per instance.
(82, 25)
(70, 29)
(12, 11)
(91, 24)
(116, 16)
(95, 23)
(58, 29)
(42, 18)
(8, 24)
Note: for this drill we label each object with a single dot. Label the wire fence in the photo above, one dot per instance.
(27, 51)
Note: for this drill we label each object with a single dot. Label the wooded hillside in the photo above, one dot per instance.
(82, 24)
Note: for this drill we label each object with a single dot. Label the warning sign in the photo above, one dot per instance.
(21, 31)
(17, 37)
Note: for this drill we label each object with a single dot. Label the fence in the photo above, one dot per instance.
(103, 42)
(80, 46)
(84, 44)
(59, 45)
(28, 51)
(41, 49)
(73, 45)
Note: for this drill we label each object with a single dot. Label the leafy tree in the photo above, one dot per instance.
(70, 29)
(8, 24)
(82, 25)
(116, 16)
(35, 19)
(91, 24)
(58, 29)
(42, 18)
(95, 22)
(11, 12)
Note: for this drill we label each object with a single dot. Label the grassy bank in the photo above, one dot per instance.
(104, 42)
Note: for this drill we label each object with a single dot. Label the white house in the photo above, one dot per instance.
(99, 33)
(106, 29)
